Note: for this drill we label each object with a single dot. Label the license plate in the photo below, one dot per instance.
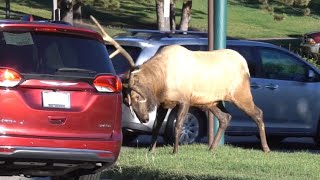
(56, 99)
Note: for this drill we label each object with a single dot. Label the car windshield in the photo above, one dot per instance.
(53, 53)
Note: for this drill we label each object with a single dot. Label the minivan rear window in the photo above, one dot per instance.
(52, 53)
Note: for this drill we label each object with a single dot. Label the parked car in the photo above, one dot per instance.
(284, 86)
(60, 105)
(311, 44)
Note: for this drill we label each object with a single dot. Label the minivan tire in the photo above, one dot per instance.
(95, 176)
(192, 128)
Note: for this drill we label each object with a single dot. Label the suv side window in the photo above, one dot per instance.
(248, 53)
(192, 47)
(120, 63)
(282, 66)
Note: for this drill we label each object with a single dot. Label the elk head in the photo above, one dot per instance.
(136, 96)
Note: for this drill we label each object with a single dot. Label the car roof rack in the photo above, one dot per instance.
(136, 31)
(156, 34)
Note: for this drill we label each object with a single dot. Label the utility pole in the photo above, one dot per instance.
(210, 48)
(55, 11)
(7, 9)
(217, 30)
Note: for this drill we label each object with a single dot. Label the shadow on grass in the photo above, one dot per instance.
(280, 8)
(290, 145)
(16, 15)
(39, 4)
(136, 172)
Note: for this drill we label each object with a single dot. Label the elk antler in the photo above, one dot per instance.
(109, 39)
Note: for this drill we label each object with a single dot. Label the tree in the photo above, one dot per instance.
(169, 23)
(185, 15)
(71, 10)
(163, 22)
(66, 10)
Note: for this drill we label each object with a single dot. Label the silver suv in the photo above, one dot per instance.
(284, 86)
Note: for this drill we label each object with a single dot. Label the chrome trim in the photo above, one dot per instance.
(56, 154)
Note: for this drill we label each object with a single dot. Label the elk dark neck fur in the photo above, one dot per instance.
(153, 72)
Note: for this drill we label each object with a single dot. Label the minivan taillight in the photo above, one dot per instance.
(9, 77)
(107, 83)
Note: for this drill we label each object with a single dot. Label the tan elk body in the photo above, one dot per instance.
(177, 76)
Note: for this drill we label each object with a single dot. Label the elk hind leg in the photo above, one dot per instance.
(244, 101)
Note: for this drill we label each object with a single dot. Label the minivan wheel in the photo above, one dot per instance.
(95, 176)
(191, 130)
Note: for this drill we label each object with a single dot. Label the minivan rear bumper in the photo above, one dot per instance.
(56, 154)
(57, 157)
(88, 150)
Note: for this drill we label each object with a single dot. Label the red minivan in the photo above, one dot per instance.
(60, 101)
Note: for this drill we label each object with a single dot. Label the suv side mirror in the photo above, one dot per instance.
(311, 75)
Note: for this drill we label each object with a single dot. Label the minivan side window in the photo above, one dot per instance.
(283, 66)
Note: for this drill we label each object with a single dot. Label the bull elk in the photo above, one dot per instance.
(177, 76)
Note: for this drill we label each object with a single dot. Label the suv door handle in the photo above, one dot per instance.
(272, 86)
(255, 85)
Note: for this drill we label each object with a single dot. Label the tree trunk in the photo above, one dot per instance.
(163, 22)
(77, 13)
(66, 10)
(172, 15)
(186, 15)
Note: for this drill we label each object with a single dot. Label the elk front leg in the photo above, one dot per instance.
(181, 115)
(161, 114)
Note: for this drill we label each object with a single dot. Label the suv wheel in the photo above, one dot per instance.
(191, 130)
(128, 137)
(273, 140)
(317, 137)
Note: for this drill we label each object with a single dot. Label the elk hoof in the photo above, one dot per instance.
(266, 149)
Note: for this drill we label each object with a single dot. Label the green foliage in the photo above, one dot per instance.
(302, 2)
(306, 12)
(245, 19)
(300, 6)
(313, 61)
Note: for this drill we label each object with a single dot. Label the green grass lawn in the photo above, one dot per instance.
(244, 18)
(228, 162)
